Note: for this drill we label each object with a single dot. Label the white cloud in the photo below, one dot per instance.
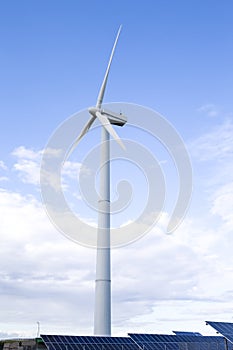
(7, 335)
(71, 169)
(4, 178)
(40, 268)
(28, 167)
(28, 170)
(3, 165)
(209, 109)
(25, 153)
(217, 145)
(27, 164)
(4, 168)
(221, 204)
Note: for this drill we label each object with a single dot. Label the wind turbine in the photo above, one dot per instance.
(102, 314)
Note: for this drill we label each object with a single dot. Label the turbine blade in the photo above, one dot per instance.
(106, 124)
(83, 132)
(103, 86)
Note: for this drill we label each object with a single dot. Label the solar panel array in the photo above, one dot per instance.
(65, 342)
(135, 342)
(225, 328)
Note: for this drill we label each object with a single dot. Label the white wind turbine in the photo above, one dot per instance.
(102, 315)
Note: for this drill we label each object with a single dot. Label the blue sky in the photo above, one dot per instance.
(174, 57)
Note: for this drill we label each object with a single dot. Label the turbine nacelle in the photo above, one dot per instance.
(114, 118)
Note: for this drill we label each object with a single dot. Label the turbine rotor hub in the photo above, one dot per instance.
(93, 110)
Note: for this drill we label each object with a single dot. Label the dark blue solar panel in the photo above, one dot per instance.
(184, 346)
(72, 339)
(225, 328)
(178, 342)
(181, 346)
(156, 338)
(160, 346)
(222, 327)
(66, 342)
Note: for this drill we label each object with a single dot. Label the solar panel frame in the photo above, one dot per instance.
(93, 346)
(187, 333)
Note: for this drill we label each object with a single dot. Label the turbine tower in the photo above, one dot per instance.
(102, 315)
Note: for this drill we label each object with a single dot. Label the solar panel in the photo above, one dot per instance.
(182, 346)
(178, 342)
(65, 342)
(73, 339)
(225, 328)
(160, 346)
(156, 338)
